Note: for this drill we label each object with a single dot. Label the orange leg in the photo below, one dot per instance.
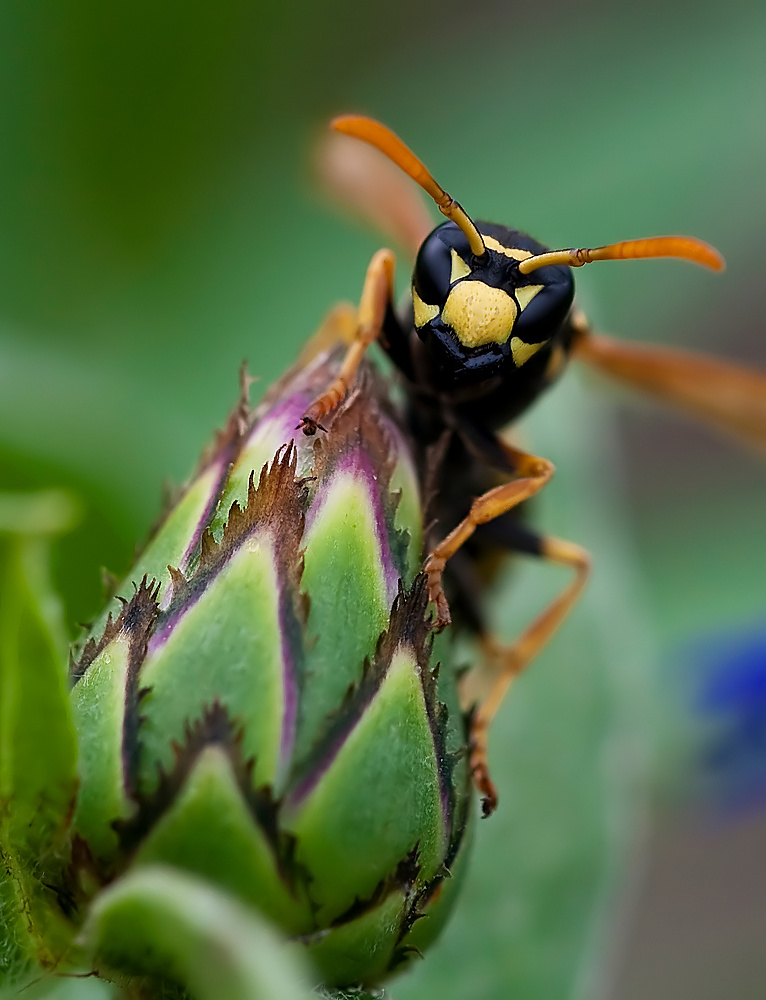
(534, 473)
(505, 663)
(376, 295)
(337, 328)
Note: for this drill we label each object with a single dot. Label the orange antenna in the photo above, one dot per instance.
(368, 130)
(685, 247)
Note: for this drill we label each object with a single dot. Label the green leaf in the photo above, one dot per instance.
(15, 943)
(66, 988)
(33, 932)
(37, 740)
(48, 512)
(355, 994)
(165, 923)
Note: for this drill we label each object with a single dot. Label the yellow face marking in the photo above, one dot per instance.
(459, 267)
(525, 294)
(479, 314)
(511, 252)
(424, 312)
(523, 352)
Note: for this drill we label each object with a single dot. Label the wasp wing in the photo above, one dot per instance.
(722, 394)
(373, 188)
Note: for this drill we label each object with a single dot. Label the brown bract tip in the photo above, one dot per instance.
(136, 618)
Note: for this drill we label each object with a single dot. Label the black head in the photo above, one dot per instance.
(478, 316)
(490, 304)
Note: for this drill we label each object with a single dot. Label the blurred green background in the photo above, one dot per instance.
(158, 223)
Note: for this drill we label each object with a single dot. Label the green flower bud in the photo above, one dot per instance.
(266, 709)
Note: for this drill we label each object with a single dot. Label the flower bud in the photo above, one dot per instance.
(265, 709)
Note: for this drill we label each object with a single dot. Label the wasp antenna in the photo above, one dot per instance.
(378, 135)
(684, 247)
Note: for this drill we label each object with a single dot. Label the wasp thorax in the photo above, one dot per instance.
(483, 302)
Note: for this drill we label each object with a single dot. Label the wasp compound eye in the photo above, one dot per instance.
(444, 257)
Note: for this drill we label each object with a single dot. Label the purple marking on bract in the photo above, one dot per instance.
(359, 461)
(161, 636)
(289, 678)
(312, 779)
(286, 413)
(289, 412)
(358, 464)
(204, 521)
(281, 424)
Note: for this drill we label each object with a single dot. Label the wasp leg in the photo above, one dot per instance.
(506, 662)
(722, 394)
(533, 473)
(377, 295)
(338, 327)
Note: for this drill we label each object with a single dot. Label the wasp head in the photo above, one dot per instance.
(477, 314)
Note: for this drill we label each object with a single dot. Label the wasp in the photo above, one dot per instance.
(491, 324)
